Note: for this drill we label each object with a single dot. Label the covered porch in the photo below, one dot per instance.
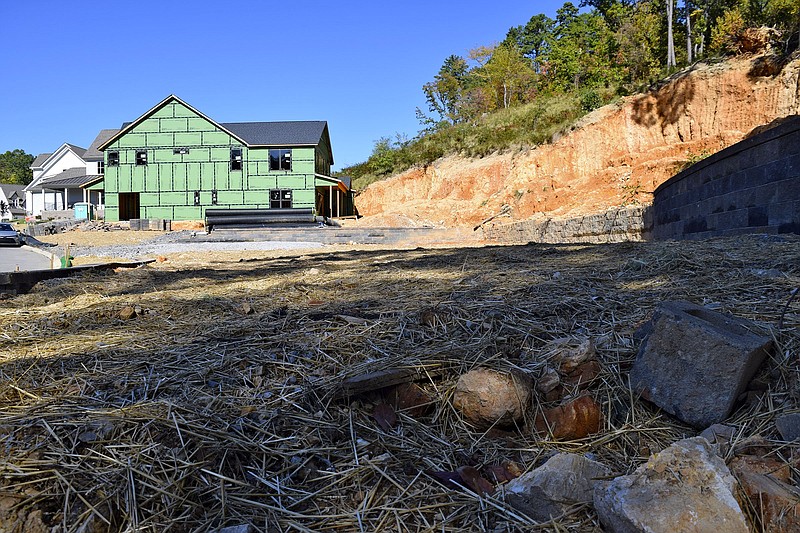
(61, 192)
(334, 197)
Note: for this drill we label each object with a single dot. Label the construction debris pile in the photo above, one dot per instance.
(472, 389)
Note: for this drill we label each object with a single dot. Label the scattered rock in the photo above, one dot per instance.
(489, 397)
(564, 480)
(721, 436)
(246, 309)
(583, 374)
(161, 259)
(774, 502)
(549, 381)
(411, 399)
(127, 313)
(573, 420)
(695, 362)
(789, 426)
(686, 487)
(570, 353)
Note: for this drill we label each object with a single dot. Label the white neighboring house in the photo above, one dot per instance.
(64, 177)
(12, 201)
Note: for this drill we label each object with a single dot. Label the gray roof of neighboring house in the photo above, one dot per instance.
(11, 188)
(68, 179)
(305, 132)
(40, 159)
(77, 149)
(92, 153)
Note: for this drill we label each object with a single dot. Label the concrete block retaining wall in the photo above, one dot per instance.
(631, 223)
(750, 187)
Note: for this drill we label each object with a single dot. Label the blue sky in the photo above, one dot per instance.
(70, 69)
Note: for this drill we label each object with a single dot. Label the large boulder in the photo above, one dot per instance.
(686, 488)
(695, 362)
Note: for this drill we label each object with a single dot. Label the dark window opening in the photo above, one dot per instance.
(280, 159)
(280, 198)
(196, 197)
(213, 197)
(113, 159)
(236, 159)
(141, 157)
(180, 151)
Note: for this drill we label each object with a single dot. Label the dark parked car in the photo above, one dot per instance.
(8, 235)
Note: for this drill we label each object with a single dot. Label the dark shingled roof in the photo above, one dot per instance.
(40, 159)
(92, 153)
(77, 149)
(307, 132)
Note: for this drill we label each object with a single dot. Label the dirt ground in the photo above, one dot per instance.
(186, 396)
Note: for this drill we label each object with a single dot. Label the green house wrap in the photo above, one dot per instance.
(174, 162)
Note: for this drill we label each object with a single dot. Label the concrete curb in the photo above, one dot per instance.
(56, 259)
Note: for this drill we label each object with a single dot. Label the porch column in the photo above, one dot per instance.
(330, 200)
(338, 202)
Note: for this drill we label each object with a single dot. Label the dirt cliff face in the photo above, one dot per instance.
(617, 154)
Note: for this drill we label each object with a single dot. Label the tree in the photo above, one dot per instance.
(671, 63)
(581, 51)
(533, 40)
(504, 69)
(3, 208)
(15, 167)
(444, 93)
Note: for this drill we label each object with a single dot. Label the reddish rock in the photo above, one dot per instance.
(411, 399)
(489, 397)
(572, 420)
(583, 374)
(764, 483)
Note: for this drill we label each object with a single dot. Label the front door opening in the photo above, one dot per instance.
(128, 205)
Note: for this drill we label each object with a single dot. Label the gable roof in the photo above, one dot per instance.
(77, 149)
(11, 189)
(128, 126)
(286, 133)
(40, 159)
(92, 153)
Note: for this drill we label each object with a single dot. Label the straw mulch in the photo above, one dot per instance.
(216, 405)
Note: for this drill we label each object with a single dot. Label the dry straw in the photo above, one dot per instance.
(217, 404)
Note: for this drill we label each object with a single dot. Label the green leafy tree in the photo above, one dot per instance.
(581, 52)
(15, 167)
(444, 93)
(637, 40)
(533, 39)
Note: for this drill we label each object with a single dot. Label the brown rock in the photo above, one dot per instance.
(764, 482)
(573, 420)
(549, 381)
(583, 374)
(489, 397)
(127, 313)
(411, 399)
(572, 353)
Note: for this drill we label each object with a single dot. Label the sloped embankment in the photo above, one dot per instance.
(616, 155)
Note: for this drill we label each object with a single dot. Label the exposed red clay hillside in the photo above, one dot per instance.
(615, 154)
